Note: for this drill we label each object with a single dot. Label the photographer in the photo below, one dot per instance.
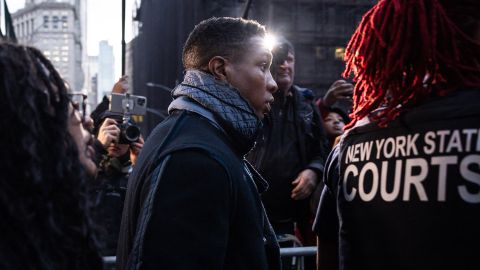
(108, 189)
(116, 156)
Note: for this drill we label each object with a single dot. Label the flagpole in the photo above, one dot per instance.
(123, 37)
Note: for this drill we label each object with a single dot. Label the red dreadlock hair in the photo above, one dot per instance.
(404, 51)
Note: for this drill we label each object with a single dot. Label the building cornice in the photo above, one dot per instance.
(43, 6)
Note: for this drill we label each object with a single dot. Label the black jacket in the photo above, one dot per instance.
(291, 141)
(191, 204)
(107, 195)
(406, 196)
(192, 201)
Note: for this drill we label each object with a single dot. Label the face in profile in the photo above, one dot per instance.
(250, 74)
(333, 124)
(83, 139)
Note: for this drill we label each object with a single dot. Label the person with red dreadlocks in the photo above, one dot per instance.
(403, 185)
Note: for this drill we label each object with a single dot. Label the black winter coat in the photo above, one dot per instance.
(193, 204)
(406, 196)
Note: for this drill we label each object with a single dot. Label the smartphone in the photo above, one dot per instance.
(122, 103)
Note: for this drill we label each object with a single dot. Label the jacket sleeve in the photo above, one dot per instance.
(320, 144)
(326, 224)
(184, 223)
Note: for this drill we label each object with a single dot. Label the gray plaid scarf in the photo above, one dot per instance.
(220, 98)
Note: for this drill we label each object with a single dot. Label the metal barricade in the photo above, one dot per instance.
(109, 261)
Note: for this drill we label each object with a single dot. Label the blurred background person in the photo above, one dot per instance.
(402, 187)
(43, 203)
(289, 153)
(79, 127)
(115, 159)
(107, 190)
(334, 120)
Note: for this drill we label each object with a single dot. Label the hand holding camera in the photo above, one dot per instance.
(135, 149)
(109, 132)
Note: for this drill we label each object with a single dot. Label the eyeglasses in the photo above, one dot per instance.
(79, 102)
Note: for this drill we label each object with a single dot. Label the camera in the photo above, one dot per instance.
(129, 132)
(128, 105)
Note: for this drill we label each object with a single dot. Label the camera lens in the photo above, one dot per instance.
(141, 101)
(132, 133)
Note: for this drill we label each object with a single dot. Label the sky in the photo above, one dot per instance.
(103, 23)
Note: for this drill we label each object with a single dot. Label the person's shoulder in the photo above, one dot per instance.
(192, 157)
(305, 92)
(195, 163)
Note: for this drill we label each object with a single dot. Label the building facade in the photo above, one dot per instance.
(319, 30)
(91, 81)
(106, 70)
(54, 27)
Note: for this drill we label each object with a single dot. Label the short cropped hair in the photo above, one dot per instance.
(282, 41)
(224, 36)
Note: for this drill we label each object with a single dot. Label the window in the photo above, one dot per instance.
(64, 22)
(339, 53)
(55, 22)
(283, 13)
(306, 21)
(320, 52)
(45, 21)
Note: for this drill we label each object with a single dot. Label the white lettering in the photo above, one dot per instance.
(415, 180)
(349, 155)
(454, 142)
(389, 153)
(400, 142)
(469, 133)
(470, 176)
(411, 146)
(356, 152)
(388, 197)
(379, 146)
(443, 162)
(478, 141)
(442, 134)
(369, 167)
(350, 169)
(429, 140)
(366, 151)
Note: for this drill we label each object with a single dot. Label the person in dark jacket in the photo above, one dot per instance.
(192, 200)
(290, 151)
(107, 190)
(402, 187)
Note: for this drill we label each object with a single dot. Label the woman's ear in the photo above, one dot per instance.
(217, 67)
